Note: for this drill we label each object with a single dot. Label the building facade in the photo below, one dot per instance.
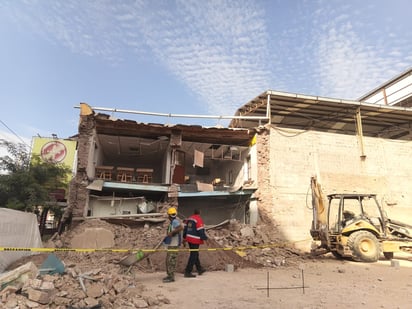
(350, 146)
(131, 169)
(257, 169)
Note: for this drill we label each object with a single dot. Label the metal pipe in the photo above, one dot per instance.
(359, 131)
(268, 110)
(113, 110)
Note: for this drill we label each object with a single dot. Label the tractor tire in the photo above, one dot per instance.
(364, 246)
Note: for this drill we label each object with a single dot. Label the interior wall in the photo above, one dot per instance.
(111, 207)
(229, 171)
(165, 177)
(252, 153)
(215, 210)
(95, 157)
(336, 160)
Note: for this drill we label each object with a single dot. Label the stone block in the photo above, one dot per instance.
(39, 296)
(395, 263)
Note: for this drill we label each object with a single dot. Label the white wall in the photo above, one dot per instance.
(335, 159)
(102, 207)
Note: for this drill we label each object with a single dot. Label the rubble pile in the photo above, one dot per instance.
(97, 288)
(113, 285)
(263, 246)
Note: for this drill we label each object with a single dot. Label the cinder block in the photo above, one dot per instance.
(395, 263)
(230, 268)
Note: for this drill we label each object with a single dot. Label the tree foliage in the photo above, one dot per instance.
(26, 181)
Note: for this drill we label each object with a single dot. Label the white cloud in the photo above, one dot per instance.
(227, 52)
(217, 48)
(355, 55)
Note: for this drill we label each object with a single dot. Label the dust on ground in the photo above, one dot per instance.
(94, 279)
(269, 275)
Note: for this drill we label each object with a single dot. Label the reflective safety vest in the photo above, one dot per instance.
(194, 230)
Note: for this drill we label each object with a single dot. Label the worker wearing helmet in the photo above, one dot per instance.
(172, 241)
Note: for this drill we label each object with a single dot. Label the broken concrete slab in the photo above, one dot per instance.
(93, 238)
(96, 185)
(247, 231)
(18, 276)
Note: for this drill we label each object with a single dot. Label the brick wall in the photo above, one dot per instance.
(288, 159)
(78, 196)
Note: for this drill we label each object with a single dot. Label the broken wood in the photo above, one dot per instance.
(82, 284)
(226, 222)
(128, 216)
(86, 275)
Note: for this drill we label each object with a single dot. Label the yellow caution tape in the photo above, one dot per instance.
(85, 250)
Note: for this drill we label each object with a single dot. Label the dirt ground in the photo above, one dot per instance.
(315, 283)
(329, 283)
(271, 276)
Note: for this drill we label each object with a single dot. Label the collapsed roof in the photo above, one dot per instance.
(126, 139)
(190, 133)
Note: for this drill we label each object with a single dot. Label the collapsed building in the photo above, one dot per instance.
(126, 168)
(261, 164)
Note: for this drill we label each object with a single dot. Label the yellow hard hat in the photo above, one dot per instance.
(172, 211)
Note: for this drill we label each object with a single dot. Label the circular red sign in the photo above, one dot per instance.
(54, 151)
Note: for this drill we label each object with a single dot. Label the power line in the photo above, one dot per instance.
(14, 133)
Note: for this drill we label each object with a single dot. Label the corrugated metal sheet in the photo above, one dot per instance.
(327, 114)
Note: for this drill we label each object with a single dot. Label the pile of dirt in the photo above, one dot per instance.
(231, 243)
(148, 237)
(98, 279)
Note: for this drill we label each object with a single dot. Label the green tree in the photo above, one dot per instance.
(26, 181)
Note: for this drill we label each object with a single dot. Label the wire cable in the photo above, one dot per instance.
(15, 134)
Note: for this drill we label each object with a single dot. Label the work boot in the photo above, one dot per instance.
(190, 275)
(201, 271)
(168, 279)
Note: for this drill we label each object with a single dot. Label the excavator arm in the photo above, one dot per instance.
(319, 229)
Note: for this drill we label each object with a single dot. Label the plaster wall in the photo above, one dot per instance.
(294, 156)
(104, 208)
(229, 171)
(214, 210)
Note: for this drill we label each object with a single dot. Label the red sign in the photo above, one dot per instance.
(54, 151)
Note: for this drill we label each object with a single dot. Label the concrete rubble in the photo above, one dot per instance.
(97, 280)
(101, 288)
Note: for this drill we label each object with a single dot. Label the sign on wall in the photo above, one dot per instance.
(55, 150)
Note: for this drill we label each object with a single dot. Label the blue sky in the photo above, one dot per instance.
(188, 56)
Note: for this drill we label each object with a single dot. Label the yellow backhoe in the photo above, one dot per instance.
(355, 226)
